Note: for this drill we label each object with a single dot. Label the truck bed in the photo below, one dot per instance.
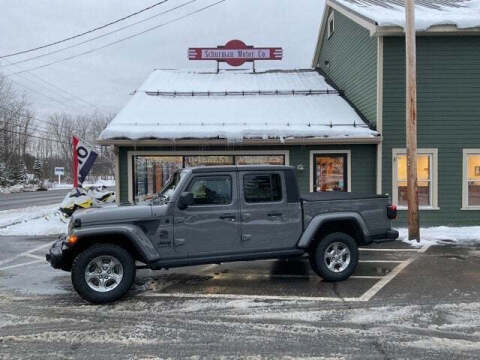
(338, 195)
(372, 208)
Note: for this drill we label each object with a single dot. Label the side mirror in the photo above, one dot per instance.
(185, 200)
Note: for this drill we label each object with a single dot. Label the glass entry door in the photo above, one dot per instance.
(330, 172)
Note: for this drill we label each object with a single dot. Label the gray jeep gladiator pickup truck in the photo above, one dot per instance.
(220, 214)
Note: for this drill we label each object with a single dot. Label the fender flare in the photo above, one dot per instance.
(318, 221)
(133, 233)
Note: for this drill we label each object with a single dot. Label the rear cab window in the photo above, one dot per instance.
(262, 188)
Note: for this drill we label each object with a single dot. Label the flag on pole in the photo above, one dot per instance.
(83, 159)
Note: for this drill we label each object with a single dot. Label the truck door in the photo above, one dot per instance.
(268, 220)
(210, 226)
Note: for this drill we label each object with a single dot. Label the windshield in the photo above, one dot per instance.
(171, 185)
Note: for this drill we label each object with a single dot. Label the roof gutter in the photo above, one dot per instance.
(251, 142)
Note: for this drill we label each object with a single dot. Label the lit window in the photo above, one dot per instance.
(426, 179)
(331, 25)
(471, 179)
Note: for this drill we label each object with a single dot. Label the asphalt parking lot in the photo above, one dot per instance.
(402, 302)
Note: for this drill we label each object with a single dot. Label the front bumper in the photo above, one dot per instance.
(58, 255)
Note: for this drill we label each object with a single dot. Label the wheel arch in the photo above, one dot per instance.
(322, 225)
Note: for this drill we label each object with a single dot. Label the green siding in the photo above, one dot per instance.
(352, 64)
(363, 163)
(448, 71)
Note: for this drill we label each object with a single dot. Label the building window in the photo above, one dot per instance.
(471, 179)
(426, 178)
(151, 172)
(330, 171)
(331, 24)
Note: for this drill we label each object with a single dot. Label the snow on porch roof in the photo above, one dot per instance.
(235, 106)
(463, 14)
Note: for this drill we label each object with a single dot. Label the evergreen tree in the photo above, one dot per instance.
(23, 172)
(3, 175)
(37, 170)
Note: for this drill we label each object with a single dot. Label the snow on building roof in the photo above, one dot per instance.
(234, 106)
(463, 14)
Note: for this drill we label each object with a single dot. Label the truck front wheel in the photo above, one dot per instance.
(103, 273)
(334, 257)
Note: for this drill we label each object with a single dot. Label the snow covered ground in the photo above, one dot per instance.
(467, 235)
(37, 220)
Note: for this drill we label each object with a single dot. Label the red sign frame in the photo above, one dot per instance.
(235, 53)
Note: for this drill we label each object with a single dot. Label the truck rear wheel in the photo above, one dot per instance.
(103, 273)
(335, 257)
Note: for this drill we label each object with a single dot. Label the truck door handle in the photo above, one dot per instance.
(274, 214)
(230, 217)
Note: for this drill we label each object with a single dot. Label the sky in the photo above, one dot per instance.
(103, 80)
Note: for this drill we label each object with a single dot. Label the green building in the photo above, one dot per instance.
(361, 50)
(342, 125)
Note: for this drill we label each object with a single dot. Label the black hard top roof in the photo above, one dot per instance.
(200, 169)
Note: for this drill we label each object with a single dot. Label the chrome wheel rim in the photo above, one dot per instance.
(104, 273)
(337, 257)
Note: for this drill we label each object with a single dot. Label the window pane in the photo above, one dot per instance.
(402, 193)
(330, 173)
(212, 191)
(473, 173)
(423, 167)
(262, 188)
(151, 173)
(259, 159)
(208, 160)
(423, 179)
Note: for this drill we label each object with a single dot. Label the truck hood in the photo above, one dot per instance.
(112, 214)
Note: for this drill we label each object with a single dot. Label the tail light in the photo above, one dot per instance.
(392, 212)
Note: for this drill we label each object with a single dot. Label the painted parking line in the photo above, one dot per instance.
(366, 296)
(390, 250)
(26, 253)
(22, 264)
(381, 261)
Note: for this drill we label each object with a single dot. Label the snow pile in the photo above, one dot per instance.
(19, 188)
(463, 14)
(44, 220)
(236, 117)
(469, 235)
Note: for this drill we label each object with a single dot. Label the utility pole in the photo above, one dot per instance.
(411, 121)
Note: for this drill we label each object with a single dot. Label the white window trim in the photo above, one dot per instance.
(132, 154)
(465, 205)
(331, 19)
(434, 183)
(349, 165)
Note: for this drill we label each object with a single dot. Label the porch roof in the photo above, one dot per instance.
(236, 106)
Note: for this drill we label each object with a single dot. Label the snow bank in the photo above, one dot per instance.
(463, 14)
(236, 117)
(439, 235)
(38, 221)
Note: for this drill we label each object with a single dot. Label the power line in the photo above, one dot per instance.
(40, 120)
(85, 32)
(100, 36)
(123, 39)
(57, 89)
(34, 136)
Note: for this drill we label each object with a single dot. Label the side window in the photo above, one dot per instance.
(262, 188)
(211, 190)
(331, 25)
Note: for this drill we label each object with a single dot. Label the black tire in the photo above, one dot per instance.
(319, 264)
(79, 268)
